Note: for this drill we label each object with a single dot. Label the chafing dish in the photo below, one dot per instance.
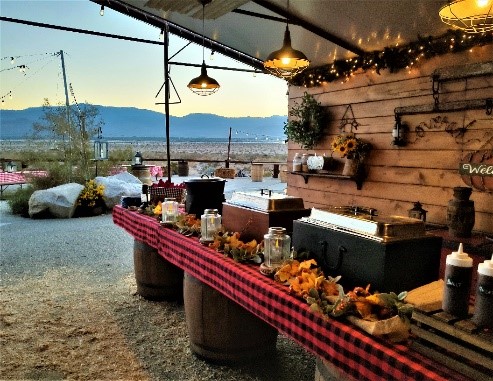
(392, 253)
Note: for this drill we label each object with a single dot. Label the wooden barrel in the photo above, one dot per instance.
(182, 168)
(157, 279)
(257, 172)
(220, 330)
(142, 173)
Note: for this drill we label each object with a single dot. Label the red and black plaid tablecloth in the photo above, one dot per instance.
(359, 355)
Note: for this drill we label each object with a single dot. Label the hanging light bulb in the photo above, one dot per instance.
(12, 60)
(211, 57)
(161, 35)
(10, 94)
(101, 12)
(203, 84)
(471, 16)
(286, 62)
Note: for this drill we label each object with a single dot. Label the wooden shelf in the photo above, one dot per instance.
(358, 179)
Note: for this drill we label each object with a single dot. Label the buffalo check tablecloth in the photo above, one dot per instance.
(356, 353)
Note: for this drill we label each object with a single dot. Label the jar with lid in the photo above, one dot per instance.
(210, 225)
(277, 247)
(297, 162)
(304, 162)
(169, 210)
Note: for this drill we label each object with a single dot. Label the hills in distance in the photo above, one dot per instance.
(129, 122)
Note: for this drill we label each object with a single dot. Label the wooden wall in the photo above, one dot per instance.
(424, 170)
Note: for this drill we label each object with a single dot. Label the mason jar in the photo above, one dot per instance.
(277, 247)
(169, 210)
(210, 225)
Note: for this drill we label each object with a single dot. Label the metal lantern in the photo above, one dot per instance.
(100, 150)
(11, 167)
(418, 212)
(137, 159)
(169, 210)
(277, 247)
(210, 225)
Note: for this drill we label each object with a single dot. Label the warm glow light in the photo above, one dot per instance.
(471, 16)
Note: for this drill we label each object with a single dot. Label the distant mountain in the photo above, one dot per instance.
(128, 122)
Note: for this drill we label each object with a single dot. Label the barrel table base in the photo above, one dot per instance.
(220, 330)
(157, 279)
(325, 371)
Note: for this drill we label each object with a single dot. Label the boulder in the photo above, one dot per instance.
(59, 202)
(122, 184)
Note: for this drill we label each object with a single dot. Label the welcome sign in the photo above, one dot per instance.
(476, 169)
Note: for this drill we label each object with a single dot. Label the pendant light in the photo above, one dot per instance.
(286, 62)
(471, 16)
(203, 84)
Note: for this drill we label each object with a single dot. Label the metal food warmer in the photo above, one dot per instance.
(252, 213)
(392, 253)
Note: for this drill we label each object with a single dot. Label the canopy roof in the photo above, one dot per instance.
(325, 30)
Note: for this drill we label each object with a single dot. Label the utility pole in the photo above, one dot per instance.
(67, 105)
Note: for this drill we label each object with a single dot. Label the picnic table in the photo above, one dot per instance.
(17, 178)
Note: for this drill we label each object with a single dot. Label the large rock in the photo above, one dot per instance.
(122, 184)
(59, 202)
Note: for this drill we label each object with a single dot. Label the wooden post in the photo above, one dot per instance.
(229, 148)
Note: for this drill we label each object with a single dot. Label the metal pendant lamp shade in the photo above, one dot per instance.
(203, 84)
(471, 16)
(286, 62)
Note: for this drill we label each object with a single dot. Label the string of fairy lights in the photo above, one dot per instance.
(27, 65)
(405, 57)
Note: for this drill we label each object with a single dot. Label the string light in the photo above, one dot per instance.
(101, 12)
(392, 58)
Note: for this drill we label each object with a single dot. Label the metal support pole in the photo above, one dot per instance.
(166, 97)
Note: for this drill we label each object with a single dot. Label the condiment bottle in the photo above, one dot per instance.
(458, 275)
(483, 311)
(297, 162)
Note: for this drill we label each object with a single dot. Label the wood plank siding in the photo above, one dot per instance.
(426, 168)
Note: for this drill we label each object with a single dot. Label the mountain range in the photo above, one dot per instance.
(129, 122)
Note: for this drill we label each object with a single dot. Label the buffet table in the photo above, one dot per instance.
(348, 349)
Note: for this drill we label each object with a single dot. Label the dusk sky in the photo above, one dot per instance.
(111, 72)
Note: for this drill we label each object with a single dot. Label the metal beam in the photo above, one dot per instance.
(310, 27)
(159, 22)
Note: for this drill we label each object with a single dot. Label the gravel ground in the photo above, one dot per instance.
(69, 310)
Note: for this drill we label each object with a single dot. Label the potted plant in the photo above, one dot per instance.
(353, 149)
(307, 127)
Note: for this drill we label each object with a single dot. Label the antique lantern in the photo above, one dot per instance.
(417, 212)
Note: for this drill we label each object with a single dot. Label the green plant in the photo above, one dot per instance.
(91, 195)
(19, 201)
(348, 145)
(307, 128)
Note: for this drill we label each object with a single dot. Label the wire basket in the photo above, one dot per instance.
(160, 193)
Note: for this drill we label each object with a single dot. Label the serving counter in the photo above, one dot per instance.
(348, 349)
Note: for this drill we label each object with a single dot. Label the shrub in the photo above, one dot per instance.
(19, 201)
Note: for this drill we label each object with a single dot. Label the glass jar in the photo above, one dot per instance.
(277, 247)
(304, 162)
(297, 162)
(169, 210)
(210, 225)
